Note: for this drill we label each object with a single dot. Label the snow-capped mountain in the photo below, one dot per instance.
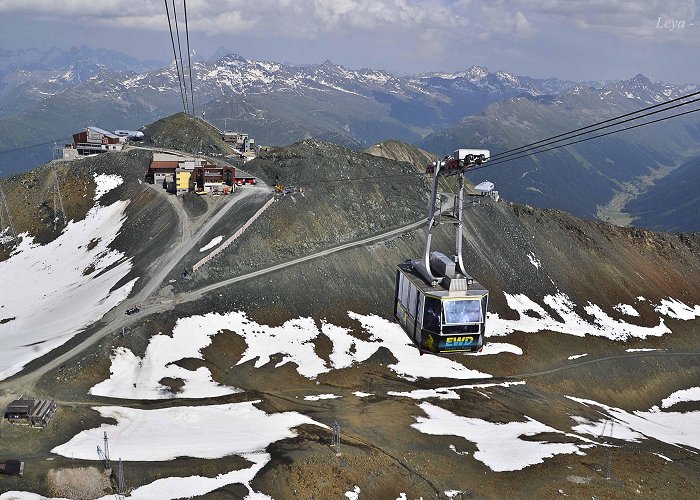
(281, 103)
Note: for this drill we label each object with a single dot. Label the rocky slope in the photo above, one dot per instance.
(185, 133)
(569, 299)
(400, 151)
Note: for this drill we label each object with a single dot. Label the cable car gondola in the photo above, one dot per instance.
(439, 306)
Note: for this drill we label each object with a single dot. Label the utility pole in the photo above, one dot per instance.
(107, 464)
(120, 480)
(336, 438)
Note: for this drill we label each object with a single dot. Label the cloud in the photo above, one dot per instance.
(286, 18)
(623, 18)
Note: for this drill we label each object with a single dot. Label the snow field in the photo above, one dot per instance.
(193, 431)
(71, 278)
(294, 340)
(534, 318)
(133, 377)
(499, 445)
(680, 429)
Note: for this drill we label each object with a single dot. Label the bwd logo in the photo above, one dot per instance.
(670, 24)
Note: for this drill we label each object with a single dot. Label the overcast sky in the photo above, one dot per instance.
(573, 39)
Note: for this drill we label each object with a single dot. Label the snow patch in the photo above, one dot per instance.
(104, 183)
(132, 377)
(214, 241)
(319, 397)
(534, 260)
(677, 310)
(681, 429)
(626, 309)
(294, 341)
(643, 349)
(498, 348)
(534, 318)
(499, 445)
(361, 394)
(71, 278)
(354, 494)
(139, 435)
(576, 356)
(454, 448)
(447, 392)
(193, 486)
(692, 394)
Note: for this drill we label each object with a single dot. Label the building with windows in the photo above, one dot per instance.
(28, 411)
(92, 141)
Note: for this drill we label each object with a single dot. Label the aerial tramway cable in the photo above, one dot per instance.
(182, 63)
(528, 146)
(593, 128)
(189, 59)
(177, 67)
(499, 161)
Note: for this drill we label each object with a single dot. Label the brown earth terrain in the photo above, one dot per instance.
(380, 451)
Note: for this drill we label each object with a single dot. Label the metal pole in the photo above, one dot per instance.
(458, 236)
(107, 464)
(423, 265)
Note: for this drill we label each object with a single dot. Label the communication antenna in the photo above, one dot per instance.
(107, 464)
(6, 219)
(57, 201)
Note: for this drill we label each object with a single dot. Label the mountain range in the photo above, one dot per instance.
(48, 99)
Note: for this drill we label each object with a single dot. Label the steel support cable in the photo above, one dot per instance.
(549, 142)
(177, 69)
(499, 161)
(496, 162)
(189, 60)
(182, 62)
(527, 146)
(20, 148)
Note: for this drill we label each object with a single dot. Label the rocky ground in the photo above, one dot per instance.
(185, 133)
(511, 249)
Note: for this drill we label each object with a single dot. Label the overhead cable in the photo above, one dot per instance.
(177, 67)
(597, 124)
(182, 63)
(189, 59)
